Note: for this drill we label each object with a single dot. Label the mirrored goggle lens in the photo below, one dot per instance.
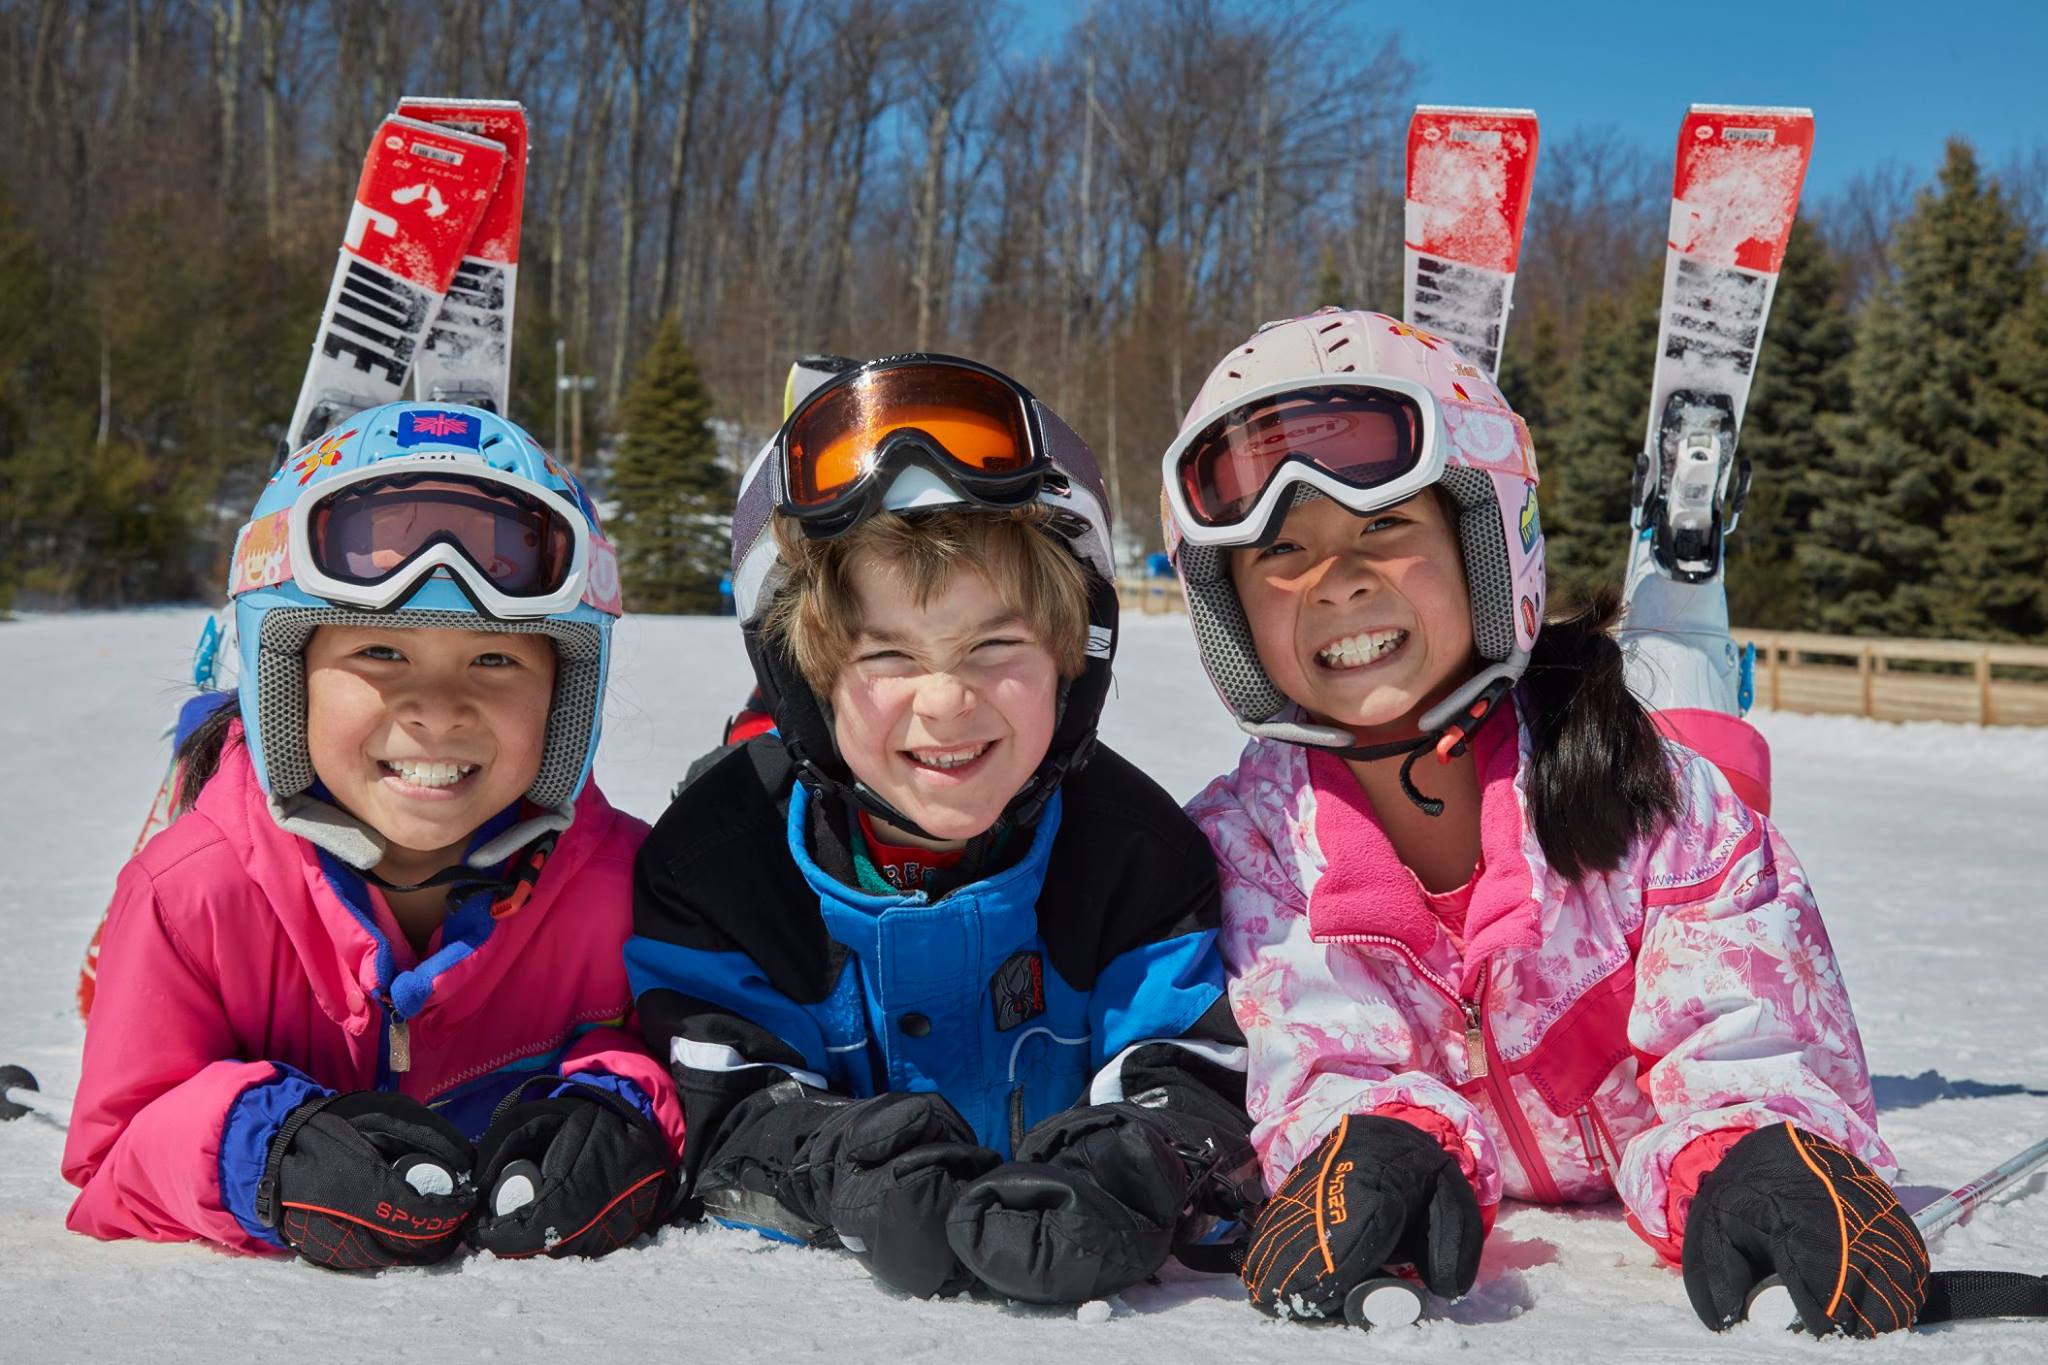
(1365, 438)
(366, 532)
(974, 420)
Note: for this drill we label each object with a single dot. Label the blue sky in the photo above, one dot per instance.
(1886, 80)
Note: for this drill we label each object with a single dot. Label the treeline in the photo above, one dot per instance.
(1100, 212)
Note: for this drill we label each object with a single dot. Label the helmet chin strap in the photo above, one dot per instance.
(1448, 738)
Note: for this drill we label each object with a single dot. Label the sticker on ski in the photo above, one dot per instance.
(1734, 196)
(467, 357)
(422, 193)
(1469, 173)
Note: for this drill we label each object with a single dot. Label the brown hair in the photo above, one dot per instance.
(815, 614)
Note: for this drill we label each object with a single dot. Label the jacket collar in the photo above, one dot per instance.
(1366, 891)
(343, 955)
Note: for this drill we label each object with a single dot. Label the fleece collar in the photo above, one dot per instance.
(1366, 890)
(310, 890)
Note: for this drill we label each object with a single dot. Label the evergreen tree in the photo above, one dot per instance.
(1800, 380)
(673, 524)
(1997, 553)
(1600, 429)
(1912, 457)
(1533, 374)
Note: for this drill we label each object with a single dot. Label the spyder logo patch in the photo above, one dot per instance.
(1018, 990)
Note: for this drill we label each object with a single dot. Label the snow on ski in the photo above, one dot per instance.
(1469, 172)
(422, 193)
(1734, 196)
(468, 353)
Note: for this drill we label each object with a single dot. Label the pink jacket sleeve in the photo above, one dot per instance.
(159, 1078)
(1327, 1033)
(1741, 1018)
(616, 1052)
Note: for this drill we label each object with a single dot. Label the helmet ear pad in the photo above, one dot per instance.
(279, 696)
(1489, 572)
(1224, 633)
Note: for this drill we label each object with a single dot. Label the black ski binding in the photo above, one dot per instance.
(1690, 489)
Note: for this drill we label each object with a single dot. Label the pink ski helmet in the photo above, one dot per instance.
(1462, 436)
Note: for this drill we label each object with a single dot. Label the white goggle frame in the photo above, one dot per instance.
(488, 596)
(1429, 462)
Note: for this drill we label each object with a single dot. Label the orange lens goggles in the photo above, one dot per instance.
(972, 421)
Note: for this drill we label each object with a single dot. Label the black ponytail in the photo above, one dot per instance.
(198, 756)
(1600, 778)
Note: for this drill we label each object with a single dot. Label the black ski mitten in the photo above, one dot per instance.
(1376, 1192)
(883, 1173)
(1785, 1202)
(1088, 1208)
(367, 1180)
(579, 1174)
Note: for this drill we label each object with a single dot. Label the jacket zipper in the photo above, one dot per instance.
(1482, 1063)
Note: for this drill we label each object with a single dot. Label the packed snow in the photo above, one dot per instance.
(1924, 843)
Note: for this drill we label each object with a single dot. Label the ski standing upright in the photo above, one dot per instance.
(1469, 173)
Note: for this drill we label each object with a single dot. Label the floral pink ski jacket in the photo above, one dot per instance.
(1585, 1035)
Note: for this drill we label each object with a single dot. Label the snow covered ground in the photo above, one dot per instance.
(1925, 842)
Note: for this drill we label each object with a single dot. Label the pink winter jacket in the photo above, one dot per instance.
(235, 980)
(1588, 1032)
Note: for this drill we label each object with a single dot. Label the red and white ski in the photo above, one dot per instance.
(468, 353)
(1733, 200)
(1469, 172)
(422, 193)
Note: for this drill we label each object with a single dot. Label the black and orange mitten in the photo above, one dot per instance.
(1784, 1202)
(1376, 1192)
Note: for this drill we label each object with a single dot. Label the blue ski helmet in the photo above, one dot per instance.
(278, 606)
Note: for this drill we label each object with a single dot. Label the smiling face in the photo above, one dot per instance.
(944, 709)
(1362, 621)
(425, 734)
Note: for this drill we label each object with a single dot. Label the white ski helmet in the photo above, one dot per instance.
(1466, 440)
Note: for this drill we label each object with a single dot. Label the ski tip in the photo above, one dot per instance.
(1489, 110)
(1753, 110)
(452, 102)
(443, 130)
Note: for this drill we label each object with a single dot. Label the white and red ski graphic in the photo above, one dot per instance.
(1733, 199)
(1469, 172)
(468, 353)
(422, 193)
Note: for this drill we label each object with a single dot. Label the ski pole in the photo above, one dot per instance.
(1770, 1301)
(19, 1094)
(1945, 1212)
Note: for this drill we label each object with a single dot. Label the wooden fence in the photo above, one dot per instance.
(1955, 680)
(1959, 680)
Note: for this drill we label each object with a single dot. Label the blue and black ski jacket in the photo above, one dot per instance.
(1079, 967)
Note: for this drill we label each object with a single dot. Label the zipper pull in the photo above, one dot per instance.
(401, 1045)
(1475, 1042)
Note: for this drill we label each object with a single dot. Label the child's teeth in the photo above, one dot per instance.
(950, 758)
(431, 774)
(1353, 650)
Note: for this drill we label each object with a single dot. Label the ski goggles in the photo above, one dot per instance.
(1366, 442)
(369, 537)
(970, 425)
